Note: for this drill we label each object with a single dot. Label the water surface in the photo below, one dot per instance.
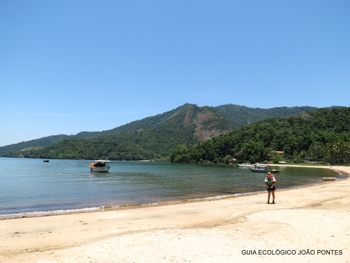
(30, 185)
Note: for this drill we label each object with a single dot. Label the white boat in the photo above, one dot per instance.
(262, 168)
(244, 165)
(100, 166)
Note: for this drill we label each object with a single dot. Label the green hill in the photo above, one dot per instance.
(319, 136)
(242, 115)
(50, 140)
(45, 141)
(151, 138)
(238, 115)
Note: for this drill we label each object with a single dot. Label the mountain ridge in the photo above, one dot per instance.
(204, 122)
(150, 138)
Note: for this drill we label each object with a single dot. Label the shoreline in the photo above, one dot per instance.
(312, 217)
(104, 208)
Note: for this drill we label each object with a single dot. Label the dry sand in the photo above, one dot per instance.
(313, 219)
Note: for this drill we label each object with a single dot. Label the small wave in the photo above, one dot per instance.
(48, 213)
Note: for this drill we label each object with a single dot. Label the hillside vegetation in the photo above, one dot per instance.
(152, 138)
(139, 139)
(319, 136)
(242, 115)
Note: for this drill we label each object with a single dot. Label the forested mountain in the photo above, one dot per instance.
(45, 141)
(242, 115)
(186, 124)
(239, 115)
(50, 140)
(321, 136)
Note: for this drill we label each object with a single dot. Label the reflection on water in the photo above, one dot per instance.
(29, 185)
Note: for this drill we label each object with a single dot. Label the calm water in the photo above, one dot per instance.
(30, 185)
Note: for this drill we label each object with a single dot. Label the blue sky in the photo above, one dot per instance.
(78, 65)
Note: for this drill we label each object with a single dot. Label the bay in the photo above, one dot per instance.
(31, 185)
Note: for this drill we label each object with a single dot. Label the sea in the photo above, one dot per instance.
(31, 187)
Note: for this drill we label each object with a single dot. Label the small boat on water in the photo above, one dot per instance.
(244, 165)
(262, 168)
(329, 178)
(100, 166)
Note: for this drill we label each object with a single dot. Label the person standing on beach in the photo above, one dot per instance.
(270, 182)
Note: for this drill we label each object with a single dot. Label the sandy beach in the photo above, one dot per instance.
(307, 224)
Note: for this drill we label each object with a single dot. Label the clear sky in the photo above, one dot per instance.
(79, 65)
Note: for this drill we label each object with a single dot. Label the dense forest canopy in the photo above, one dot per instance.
(319, 136)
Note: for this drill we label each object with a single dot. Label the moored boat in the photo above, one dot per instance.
(329, 178)
(244, 165)
(100, 166)
(262, 168)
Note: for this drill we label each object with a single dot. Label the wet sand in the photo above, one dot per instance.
(308, 224)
